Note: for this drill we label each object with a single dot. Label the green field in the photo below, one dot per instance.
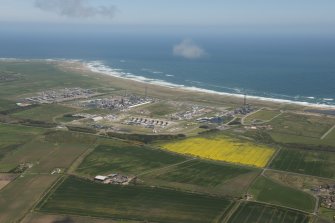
(47, 112)
(161, 109)
(15, 134)
(327, 214)
(301, 129)
(66, 118)
(46, 152)
(204, 176)
(39, 76)
(12, 137)
(261, 116)
(82, 197)
(20, 195)
(125, 158)
(250, 212)
(316, 163)
(70, 137)
(6, 104)
(201, 173)
(266, 190)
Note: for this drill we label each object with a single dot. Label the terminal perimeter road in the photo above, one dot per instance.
(327, 133)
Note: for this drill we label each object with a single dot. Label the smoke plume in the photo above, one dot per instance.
(189, 50)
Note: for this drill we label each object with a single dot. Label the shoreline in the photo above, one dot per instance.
(98, 67)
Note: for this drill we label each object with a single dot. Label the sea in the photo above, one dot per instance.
(299, 69)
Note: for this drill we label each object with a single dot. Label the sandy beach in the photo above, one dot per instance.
(179, 92)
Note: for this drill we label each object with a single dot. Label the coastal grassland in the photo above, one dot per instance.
(203, 176)
(42, 75)
(330, 138)
(301, 129)
(250, 212)
(223, 149)
(66, 118)
(263, 115)
(83, 197)
(21, 194)
(46, 112)
(316, 163)
(127, 158)
(269, 191)
(161, 108)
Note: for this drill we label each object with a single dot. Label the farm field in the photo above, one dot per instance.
(203, 176)
(21, 194)
(6, 178)
(46, 152)
(14, 135)
(269, 191)
(261, 116)
(223, 149)
(316, 163)
(250, 212)
(46, 113)
(52, 218)
(301, 182)
(6, 105)
(12, 138)
(327, 214)
(126, 158)
(82, 197)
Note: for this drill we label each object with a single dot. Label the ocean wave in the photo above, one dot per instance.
(99, 67)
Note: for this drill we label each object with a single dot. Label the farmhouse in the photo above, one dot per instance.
(114, 178)
(100, 178)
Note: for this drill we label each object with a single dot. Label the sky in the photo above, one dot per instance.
(286, 15)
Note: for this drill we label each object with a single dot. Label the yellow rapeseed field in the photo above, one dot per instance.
(224, 149)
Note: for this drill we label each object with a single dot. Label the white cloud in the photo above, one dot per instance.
(75, 8)
(189, 50)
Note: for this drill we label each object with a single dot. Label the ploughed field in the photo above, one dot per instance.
(224, 149)
(82, 197)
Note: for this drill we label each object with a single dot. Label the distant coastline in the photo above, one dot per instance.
(100, 68)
